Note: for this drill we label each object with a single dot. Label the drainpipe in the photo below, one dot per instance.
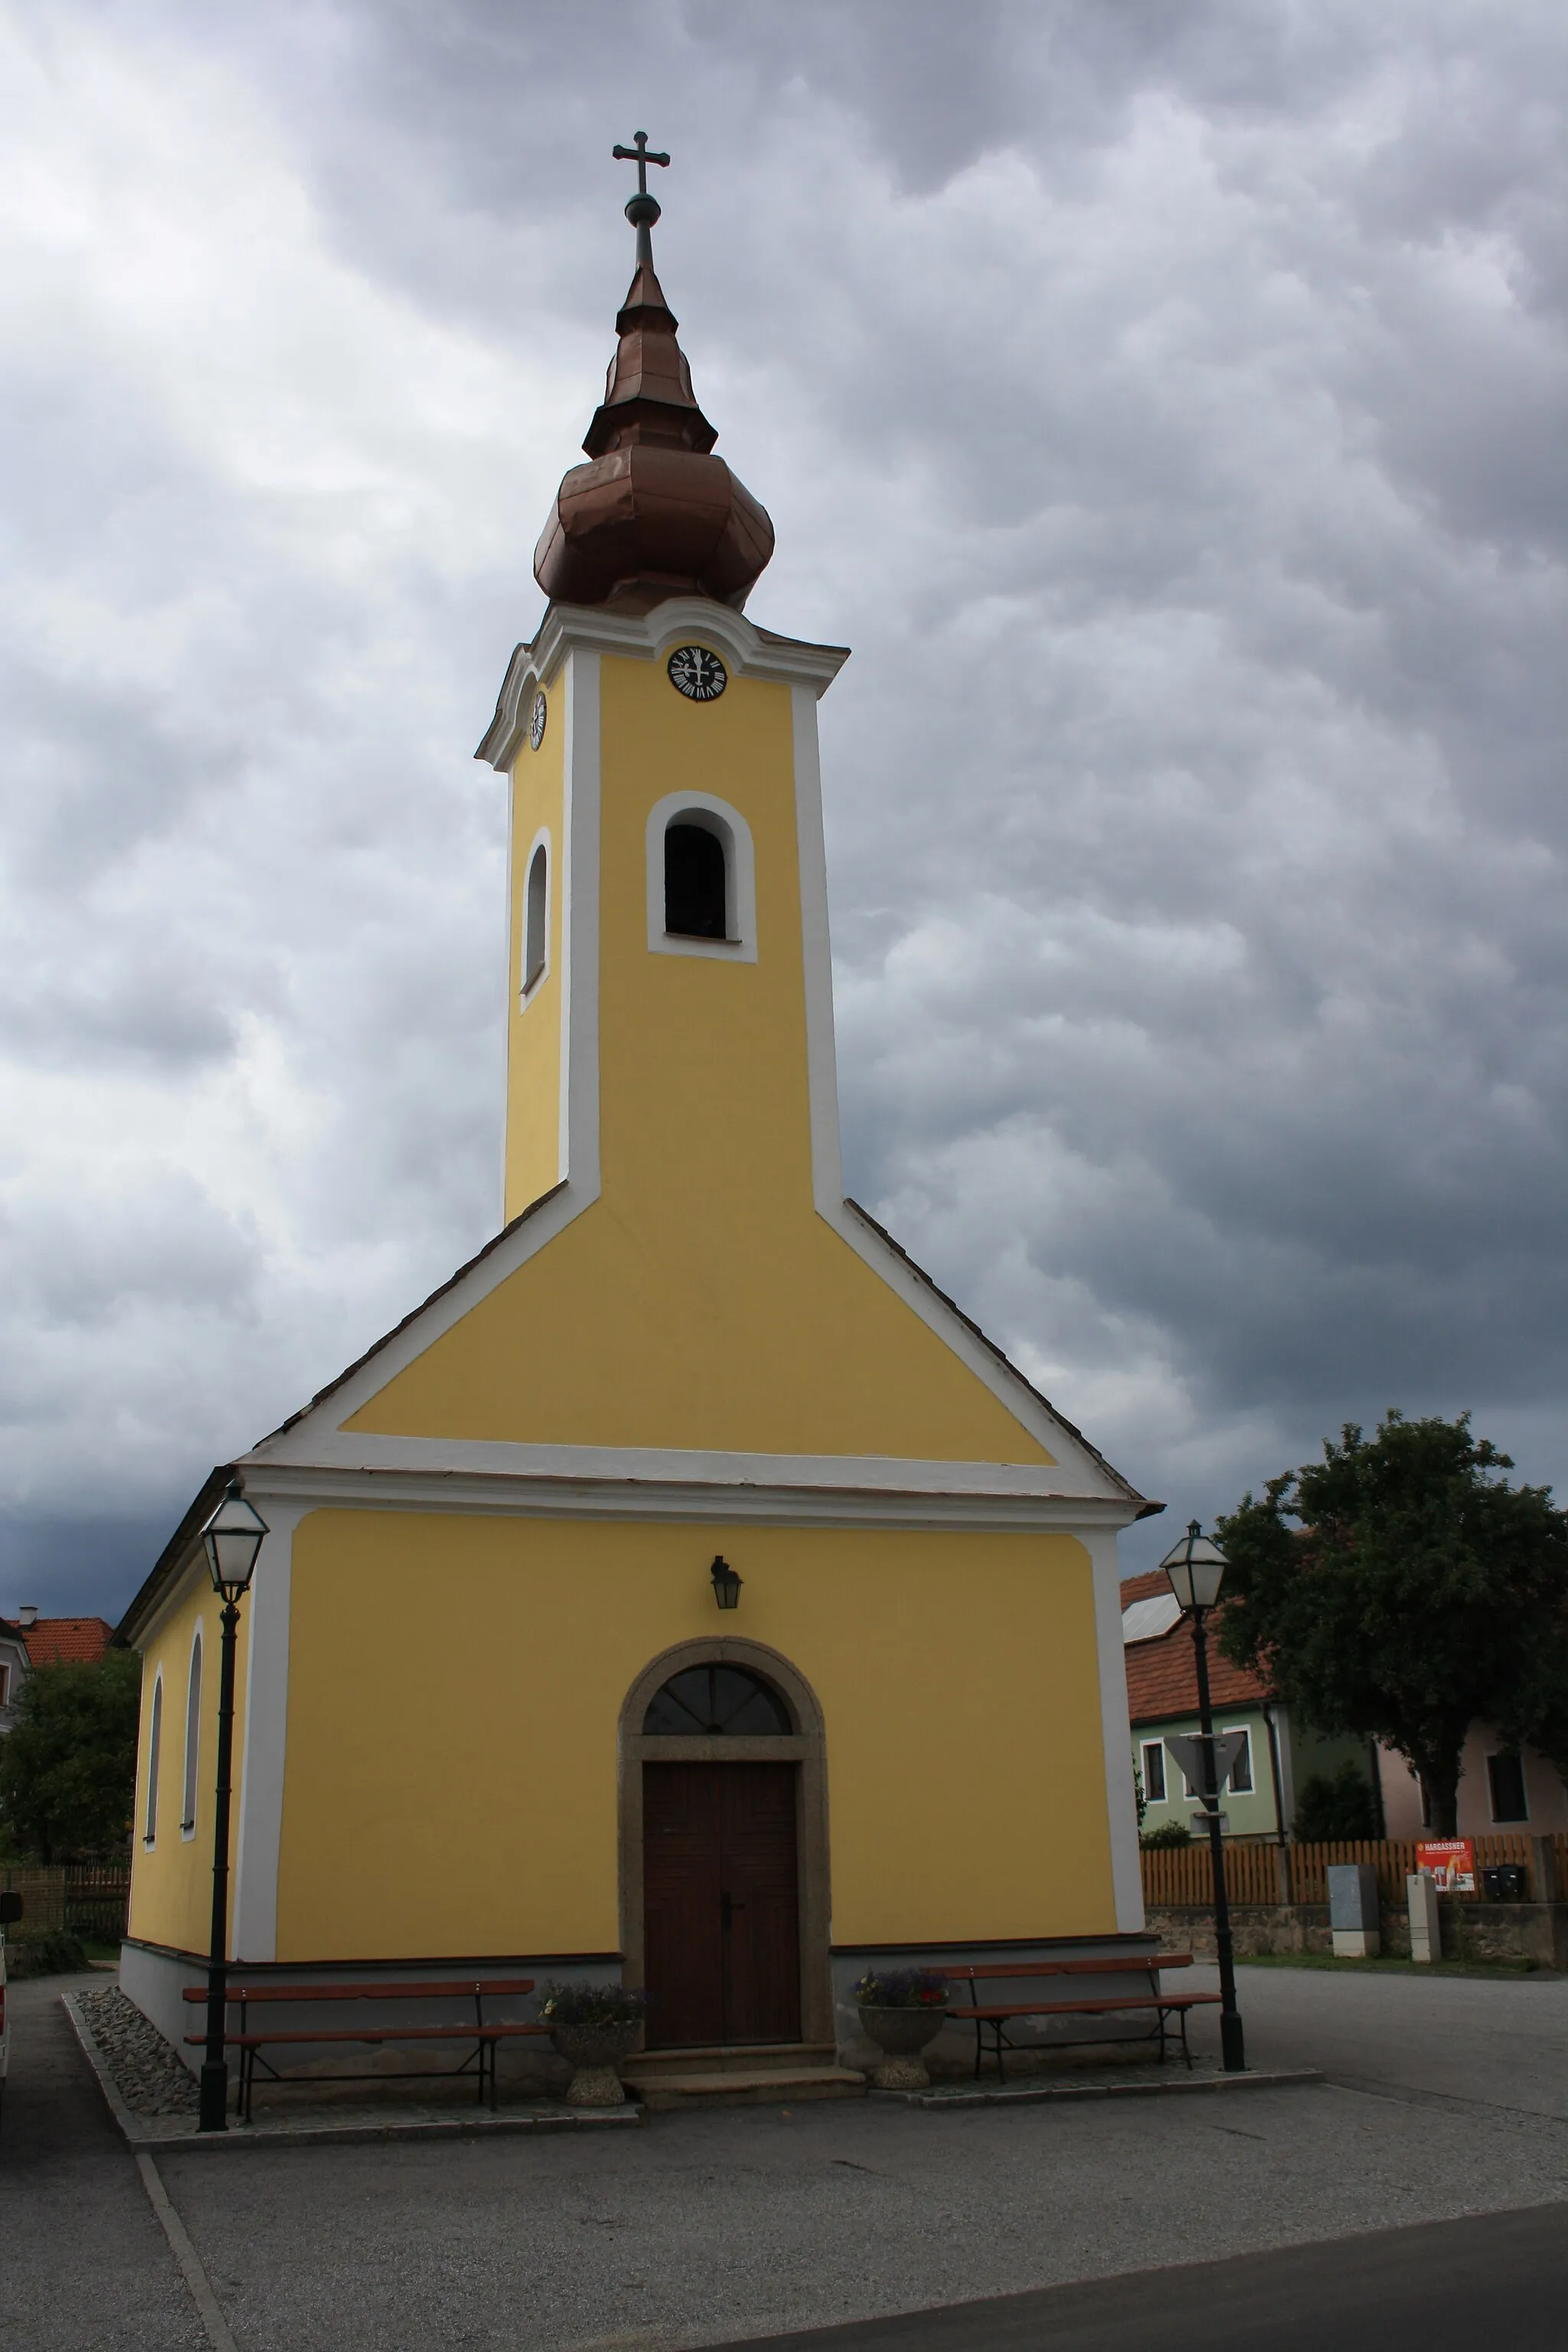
(1380, 1818)
(1283, 1891)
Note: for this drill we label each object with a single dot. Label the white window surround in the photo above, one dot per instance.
(528, 989)
(1154, 1748)
(191, 1773)
(1251, 1787)
(155, 1759)
(728, 826)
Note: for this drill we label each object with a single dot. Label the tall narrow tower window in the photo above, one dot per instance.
(154, 1758)
(536, 918)
(702, 880)
(695, 878)
(193, 1738)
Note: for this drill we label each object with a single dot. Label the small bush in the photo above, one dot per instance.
(48, 1954)
(902, 1989)
(603, 2004)
(1169, 1833)
(1335, 1806)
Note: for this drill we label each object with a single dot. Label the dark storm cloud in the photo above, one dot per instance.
(1165, 401)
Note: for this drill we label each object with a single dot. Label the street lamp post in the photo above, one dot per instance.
(231, 1537)
(1195, 1568)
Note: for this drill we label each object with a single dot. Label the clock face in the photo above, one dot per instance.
(536, 721)
(700, 676)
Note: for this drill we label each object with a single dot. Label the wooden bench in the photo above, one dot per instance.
(996, 2016)
(484, 2035)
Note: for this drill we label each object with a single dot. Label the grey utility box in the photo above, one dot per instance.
(1425, 1931)
(1353, 1910)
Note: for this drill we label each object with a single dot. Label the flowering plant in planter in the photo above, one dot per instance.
(580, 2004)
(902, 1989)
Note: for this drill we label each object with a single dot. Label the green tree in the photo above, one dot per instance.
(1416, 1592)
(68, 1769)
(1335, 1806)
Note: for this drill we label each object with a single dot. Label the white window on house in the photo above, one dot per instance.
(192, 1739)
(1154, 1771)
(155, 1756)
(1505, 1775)
(1241, 1770)
(536, 918)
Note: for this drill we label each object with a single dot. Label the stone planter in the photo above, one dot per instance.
(594, 2052)
(901, 2033)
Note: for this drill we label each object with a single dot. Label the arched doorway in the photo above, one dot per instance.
(724, 1848)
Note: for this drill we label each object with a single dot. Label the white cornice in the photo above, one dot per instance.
(589, 628)
(650, 1466)
(467, 1492)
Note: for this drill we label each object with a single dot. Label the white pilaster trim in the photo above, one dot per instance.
(1121, 1802)
(579, 1120)
(739, 879)
(816, 955)
(254, 1934)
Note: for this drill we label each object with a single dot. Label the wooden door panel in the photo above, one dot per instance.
(683, 1943)
(760, 1877)
(721, 1923)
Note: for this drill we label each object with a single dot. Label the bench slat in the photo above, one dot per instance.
(1117, 1967)
(1174, 2000)
(461, 1989)
(371, 2033)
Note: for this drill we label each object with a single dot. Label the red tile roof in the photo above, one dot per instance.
(1162, 1678)
(66, 1641)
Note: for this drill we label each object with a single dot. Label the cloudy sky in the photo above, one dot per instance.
(1164, 398)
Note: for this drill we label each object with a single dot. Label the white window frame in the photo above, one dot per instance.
(5, 1682)
(1251, 1787)
(1155, 1748)
(528, 989)
(190, 1776)
(154, 1762)
(730, 827)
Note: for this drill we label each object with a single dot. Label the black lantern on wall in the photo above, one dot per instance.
(726, 1583)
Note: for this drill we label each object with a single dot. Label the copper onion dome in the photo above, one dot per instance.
(654, 510)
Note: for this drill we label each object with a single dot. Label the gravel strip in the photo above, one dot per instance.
(149, 2073)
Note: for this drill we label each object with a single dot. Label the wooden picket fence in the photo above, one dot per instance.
(81, 1898)
(1180, 1877)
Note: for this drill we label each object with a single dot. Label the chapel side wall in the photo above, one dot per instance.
(957, 1676)
(533, 1029)
(172, 1880)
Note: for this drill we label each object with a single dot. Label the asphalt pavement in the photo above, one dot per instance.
(84, 2266)
(1293, 2215)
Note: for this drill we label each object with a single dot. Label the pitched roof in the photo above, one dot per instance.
(66, 1641)
(1161, 1677)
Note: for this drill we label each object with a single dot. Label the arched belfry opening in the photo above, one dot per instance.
(696, 879)
(536, 918)
(724, 1881)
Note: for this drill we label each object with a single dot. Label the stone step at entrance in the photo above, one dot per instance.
(729, 2076)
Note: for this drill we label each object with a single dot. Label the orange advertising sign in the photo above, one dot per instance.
(1452, 1863)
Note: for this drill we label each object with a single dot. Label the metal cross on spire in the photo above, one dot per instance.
(642, 210)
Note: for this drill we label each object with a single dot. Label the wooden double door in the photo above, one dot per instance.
(721, 1903)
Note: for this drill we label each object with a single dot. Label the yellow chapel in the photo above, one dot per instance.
(687, 1593)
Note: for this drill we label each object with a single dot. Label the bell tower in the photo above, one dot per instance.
(657, 747)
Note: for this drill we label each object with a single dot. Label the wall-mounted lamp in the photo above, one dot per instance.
(726, 1583)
